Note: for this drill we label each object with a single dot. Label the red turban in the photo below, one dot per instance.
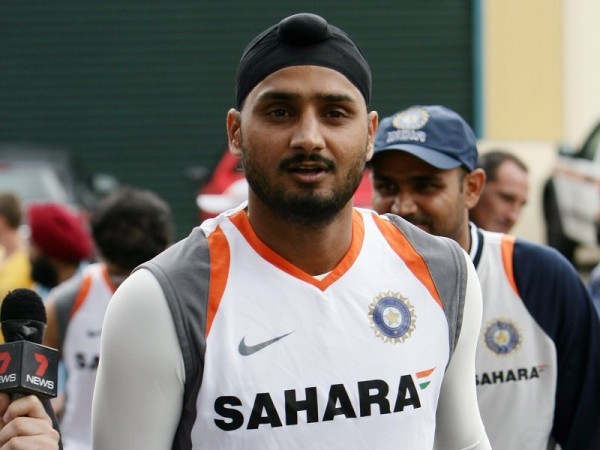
(58, 232)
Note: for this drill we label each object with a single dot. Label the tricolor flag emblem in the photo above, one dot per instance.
(423, 376)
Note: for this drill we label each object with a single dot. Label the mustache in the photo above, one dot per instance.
(301, 158)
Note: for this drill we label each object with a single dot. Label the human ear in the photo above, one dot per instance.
(233, 131)
(473, 186)
(372, 123)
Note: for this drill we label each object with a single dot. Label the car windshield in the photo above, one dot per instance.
(591, 149)
(33, 183)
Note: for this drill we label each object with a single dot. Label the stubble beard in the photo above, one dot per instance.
(308, 209)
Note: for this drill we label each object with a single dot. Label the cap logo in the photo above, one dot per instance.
(411, 119)
(408, 124)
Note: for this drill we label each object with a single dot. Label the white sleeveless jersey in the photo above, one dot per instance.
(354, 360)
(515, 360)
(261, 355)
(81, 350)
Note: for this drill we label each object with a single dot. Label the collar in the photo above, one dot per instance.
(476, 243)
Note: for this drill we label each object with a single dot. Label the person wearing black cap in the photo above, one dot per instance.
(295, 320)
(538, 358)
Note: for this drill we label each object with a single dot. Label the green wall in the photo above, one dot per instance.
(140, 89)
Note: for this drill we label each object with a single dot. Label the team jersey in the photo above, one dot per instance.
(538, 357)
(354, 359)
(81, 305)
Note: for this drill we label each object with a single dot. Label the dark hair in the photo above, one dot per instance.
(131, 226)
(10, 208)
(490, 161)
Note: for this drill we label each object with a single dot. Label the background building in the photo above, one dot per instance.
(140, 89)
(538, 67)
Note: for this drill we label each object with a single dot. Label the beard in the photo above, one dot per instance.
(308, 208)
(43, 272)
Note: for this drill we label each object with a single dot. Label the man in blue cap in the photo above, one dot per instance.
(295, 320)
(538, 356)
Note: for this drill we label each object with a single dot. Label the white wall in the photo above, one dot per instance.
(581, 66)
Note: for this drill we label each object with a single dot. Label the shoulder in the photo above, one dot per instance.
(538, 263)
(181, 249)
(529, 260)
(409, 241)
(533, 253)
(139, 290)
(66, 291)
(413, 233)
(550, 288)
(137, 309)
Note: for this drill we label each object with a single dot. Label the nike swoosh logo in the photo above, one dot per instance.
(246, 350)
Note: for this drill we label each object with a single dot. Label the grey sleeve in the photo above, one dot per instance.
(447, 266)
(64, 296)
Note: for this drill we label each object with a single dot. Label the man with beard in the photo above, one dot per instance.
(59, 244)
(295, 320)
(538, 358)
(129, 227)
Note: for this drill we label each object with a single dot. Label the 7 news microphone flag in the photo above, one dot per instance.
(26, 366)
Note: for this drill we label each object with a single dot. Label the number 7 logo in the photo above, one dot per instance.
(43, 364)
(4, 361)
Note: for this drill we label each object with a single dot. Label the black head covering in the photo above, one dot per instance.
(300, 40)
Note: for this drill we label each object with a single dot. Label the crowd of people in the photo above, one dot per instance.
(295, 320)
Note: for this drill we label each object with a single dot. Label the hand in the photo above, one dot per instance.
(25, 425)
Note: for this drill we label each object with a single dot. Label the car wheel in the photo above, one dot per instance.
(555, 236)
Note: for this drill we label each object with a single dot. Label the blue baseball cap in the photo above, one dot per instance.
(433, 133)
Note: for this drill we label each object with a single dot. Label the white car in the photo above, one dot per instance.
(572, 198)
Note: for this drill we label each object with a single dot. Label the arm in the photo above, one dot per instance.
(25, 424)
(139, 388)
(459, 424)
(59, 304)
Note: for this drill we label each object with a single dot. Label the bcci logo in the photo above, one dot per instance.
(392, 317)
(411, 119)
(502, 337)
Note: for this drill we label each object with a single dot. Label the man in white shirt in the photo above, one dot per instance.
(295, 320)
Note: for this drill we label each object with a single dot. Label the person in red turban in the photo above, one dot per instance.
(60, 241)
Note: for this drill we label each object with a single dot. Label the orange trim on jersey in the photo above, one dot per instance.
(507, 246)
(84, 290)
(403, 248)
(107, 280)
(425, 373)
(219, 270)
(240, 220)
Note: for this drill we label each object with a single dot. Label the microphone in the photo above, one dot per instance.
(26, 366)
